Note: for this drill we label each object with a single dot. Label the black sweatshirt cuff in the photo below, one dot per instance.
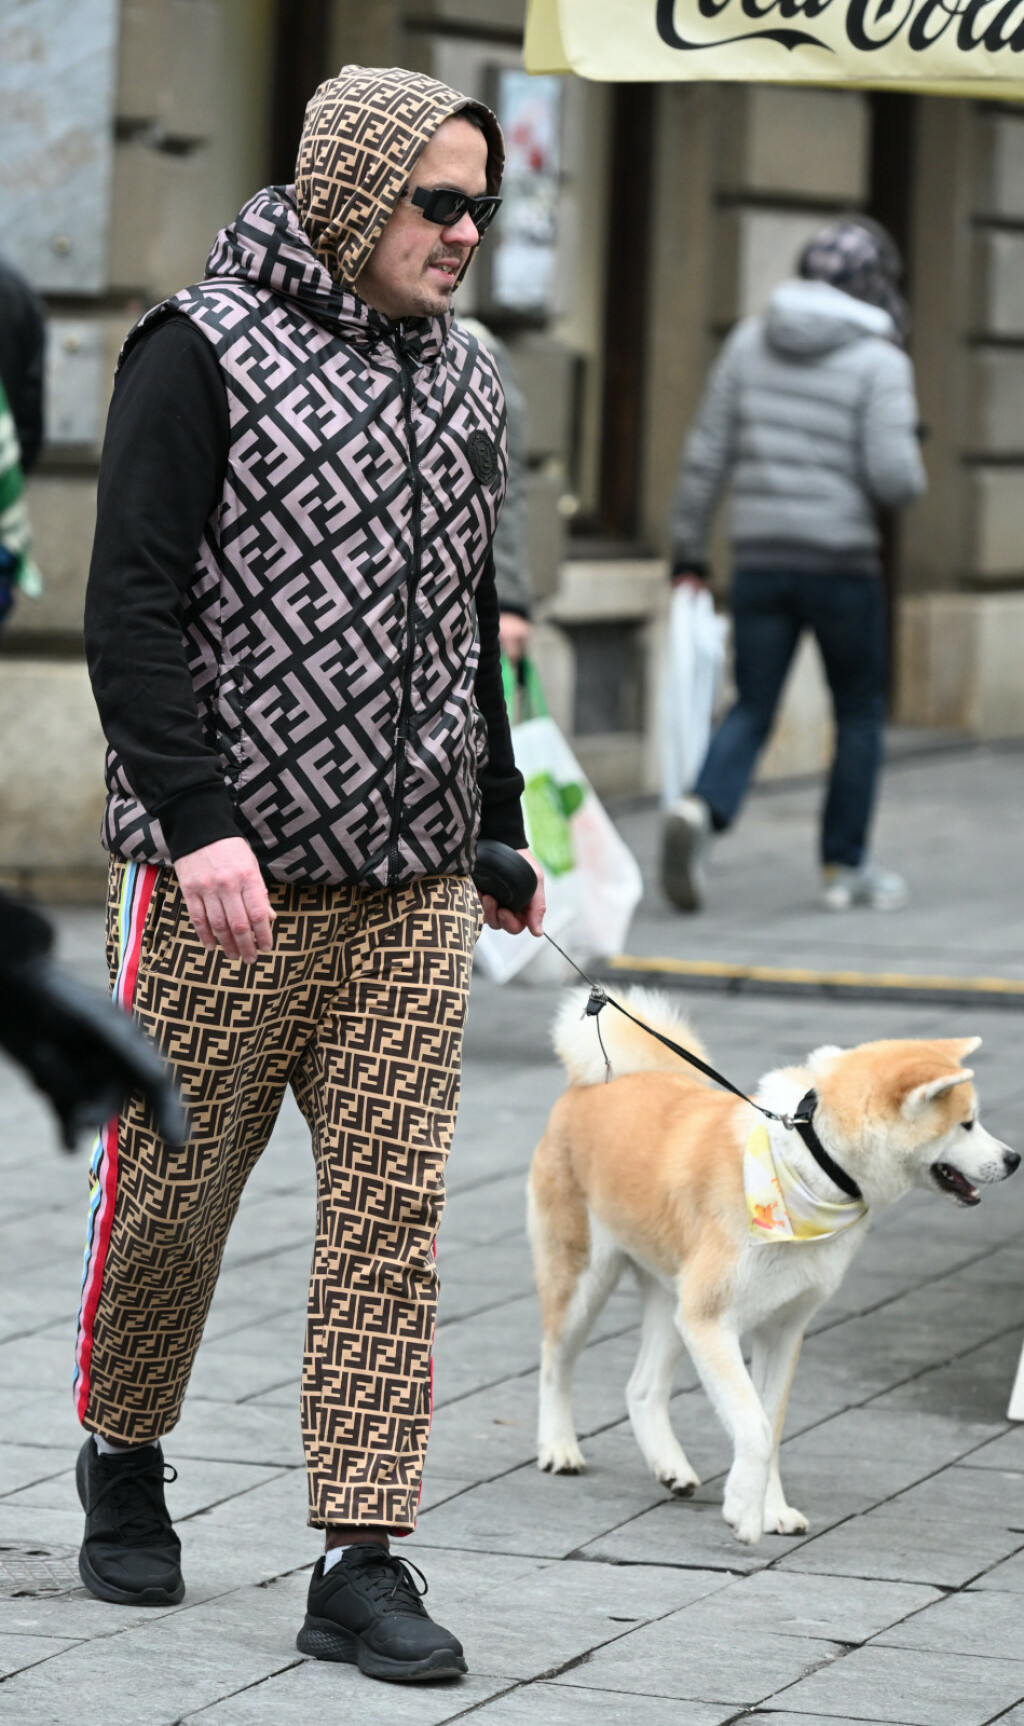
(196, 818)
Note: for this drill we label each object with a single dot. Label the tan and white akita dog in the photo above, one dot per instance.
(688, 1185)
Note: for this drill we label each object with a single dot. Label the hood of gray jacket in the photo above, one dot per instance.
(805, 319)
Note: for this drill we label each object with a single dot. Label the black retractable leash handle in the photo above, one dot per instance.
(504, 875)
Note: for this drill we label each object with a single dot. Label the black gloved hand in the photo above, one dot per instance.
(81, 1050)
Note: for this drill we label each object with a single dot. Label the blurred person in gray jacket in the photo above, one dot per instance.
(809, 415)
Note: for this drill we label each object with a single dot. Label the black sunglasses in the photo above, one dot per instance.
(446, 208)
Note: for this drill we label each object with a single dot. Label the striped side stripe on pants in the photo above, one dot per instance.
(136, 892)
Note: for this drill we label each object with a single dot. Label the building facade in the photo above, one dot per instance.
(671, 211)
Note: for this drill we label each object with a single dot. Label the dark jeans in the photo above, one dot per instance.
(771, 609)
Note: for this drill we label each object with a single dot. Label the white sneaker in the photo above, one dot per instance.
(685, 833)
(879, 889)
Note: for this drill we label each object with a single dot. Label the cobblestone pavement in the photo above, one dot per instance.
(596, 1598)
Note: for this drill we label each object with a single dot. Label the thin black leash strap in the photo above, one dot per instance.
(802, 1121)
(599, 999)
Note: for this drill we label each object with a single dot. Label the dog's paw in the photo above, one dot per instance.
(746, 1524)
(561, 1459)
(681, 1483)
(786, 1521)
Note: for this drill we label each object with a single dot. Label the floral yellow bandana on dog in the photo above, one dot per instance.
(780, 1206)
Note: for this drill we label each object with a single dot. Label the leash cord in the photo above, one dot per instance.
(599, 999)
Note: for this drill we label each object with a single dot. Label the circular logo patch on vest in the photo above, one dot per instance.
(483, 456)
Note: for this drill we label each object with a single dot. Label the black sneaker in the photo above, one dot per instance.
(369, 1612)
(130, 1553)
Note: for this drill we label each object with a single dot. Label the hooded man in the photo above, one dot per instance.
(809, 415)
(292, 631)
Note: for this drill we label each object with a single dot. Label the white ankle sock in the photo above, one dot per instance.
(332, 1557)
(107, 1449)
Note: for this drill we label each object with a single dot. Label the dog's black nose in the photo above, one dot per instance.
(1011, 1160)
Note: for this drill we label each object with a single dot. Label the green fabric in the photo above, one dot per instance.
(15, 532)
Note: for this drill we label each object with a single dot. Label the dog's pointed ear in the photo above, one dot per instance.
(956, 1048)
(922, 1095)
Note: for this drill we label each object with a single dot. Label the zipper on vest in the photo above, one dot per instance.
(405, 709)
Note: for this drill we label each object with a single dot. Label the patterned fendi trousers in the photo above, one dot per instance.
(360, 1009)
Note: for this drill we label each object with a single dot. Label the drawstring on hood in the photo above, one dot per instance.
(363, 133)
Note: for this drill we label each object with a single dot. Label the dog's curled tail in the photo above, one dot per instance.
(630, 1048)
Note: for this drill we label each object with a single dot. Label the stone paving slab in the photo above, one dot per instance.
(27, 1465)
(685, 1531)
(310, 1692)
(199, 1487)
(245, 1432)
(985, 1623)
(874, 1453)
(929, 1689)
(196, 1656)
(18, 1653)
(708, 1663)
(562, 1704)
(974, 1387)
(1005, 1453)
(535, 1513)
(780, 1717)
(837, 1609)
(1007, 1577)
(895, 1543)
(563, 1612)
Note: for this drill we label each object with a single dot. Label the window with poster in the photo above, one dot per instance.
(518, 279)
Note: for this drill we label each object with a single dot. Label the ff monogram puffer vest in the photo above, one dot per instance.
(330, 625)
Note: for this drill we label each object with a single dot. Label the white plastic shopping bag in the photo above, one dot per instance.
(693, 669)
(591, 879)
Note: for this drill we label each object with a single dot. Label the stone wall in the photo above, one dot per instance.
(961, 637)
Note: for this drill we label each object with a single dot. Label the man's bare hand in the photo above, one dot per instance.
(227, 898)
(513, 635)
(514, 922)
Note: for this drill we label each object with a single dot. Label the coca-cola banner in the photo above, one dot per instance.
(956, 47)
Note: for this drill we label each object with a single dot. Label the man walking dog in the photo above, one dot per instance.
(292, 631)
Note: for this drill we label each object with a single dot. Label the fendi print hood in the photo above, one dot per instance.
(363, 133)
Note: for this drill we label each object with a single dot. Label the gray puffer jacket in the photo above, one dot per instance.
(810, 412)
